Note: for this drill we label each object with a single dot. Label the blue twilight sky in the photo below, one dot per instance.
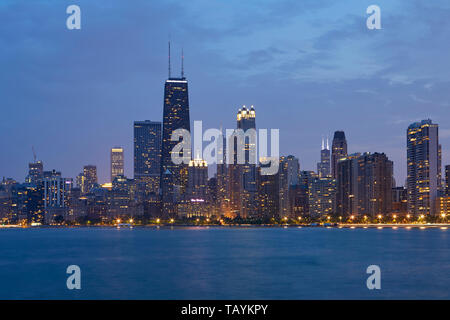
(309, 67)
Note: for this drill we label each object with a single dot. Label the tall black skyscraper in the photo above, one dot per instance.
(175, 116)
(339, 150)
(147, 155)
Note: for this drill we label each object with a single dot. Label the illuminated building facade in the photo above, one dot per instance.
(117, 162)
(423, 166)
(443, 206)
(242, 176)
(322, 195)
(90, 179)
(338, 151)
(35, 172)
(197, 200)
(147, 156)
(56, 195)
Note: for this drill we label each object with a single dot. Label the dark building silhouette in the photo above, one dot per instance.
(364, 185)
(175, 116)
(339, 150)
(268, 194)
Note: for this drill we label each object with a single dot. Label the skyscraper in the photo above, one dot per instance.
(147, 155)
(175, 116)
(268, 194)
(323, 167)
(117, 162)
(423, 167)
(339, 150)
(375, 181)
(242, 176)
(364, 184)
(346, 185)
(288, 177)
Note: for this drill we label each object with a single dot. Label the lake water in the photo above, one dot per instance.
(224, 263)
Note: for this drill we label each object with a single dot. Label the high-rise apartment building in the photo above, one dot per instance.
(322, 196)
(364, 185)
(423, 166)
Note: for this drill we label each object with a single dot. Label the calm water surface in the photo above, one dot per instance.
(224, 263)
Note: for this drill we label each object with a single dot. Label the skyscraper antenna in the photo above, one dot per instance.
(182, 63)
(323, 145)
(169, 59)
(328, 146)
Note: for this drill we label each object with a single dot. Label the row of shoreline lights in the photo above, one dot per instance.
(352, 217)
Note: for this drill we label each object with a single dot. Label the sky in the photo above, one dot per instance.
(309, 68)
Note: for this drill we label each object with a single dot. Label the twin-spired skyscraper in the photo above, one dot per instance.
(175, 116)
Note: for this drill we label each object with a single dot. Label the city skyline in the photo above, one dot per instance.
(373, 106)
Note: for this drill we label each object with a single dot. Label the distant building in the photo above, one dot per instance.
(298, 201)
(423, 166)
(56, 196)
(90, 179)
(323, 167)
(339, 150)
(322, 196)
(288, 178)
(35, 172)
(147, 156)
(117, 162)
(268, 194)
